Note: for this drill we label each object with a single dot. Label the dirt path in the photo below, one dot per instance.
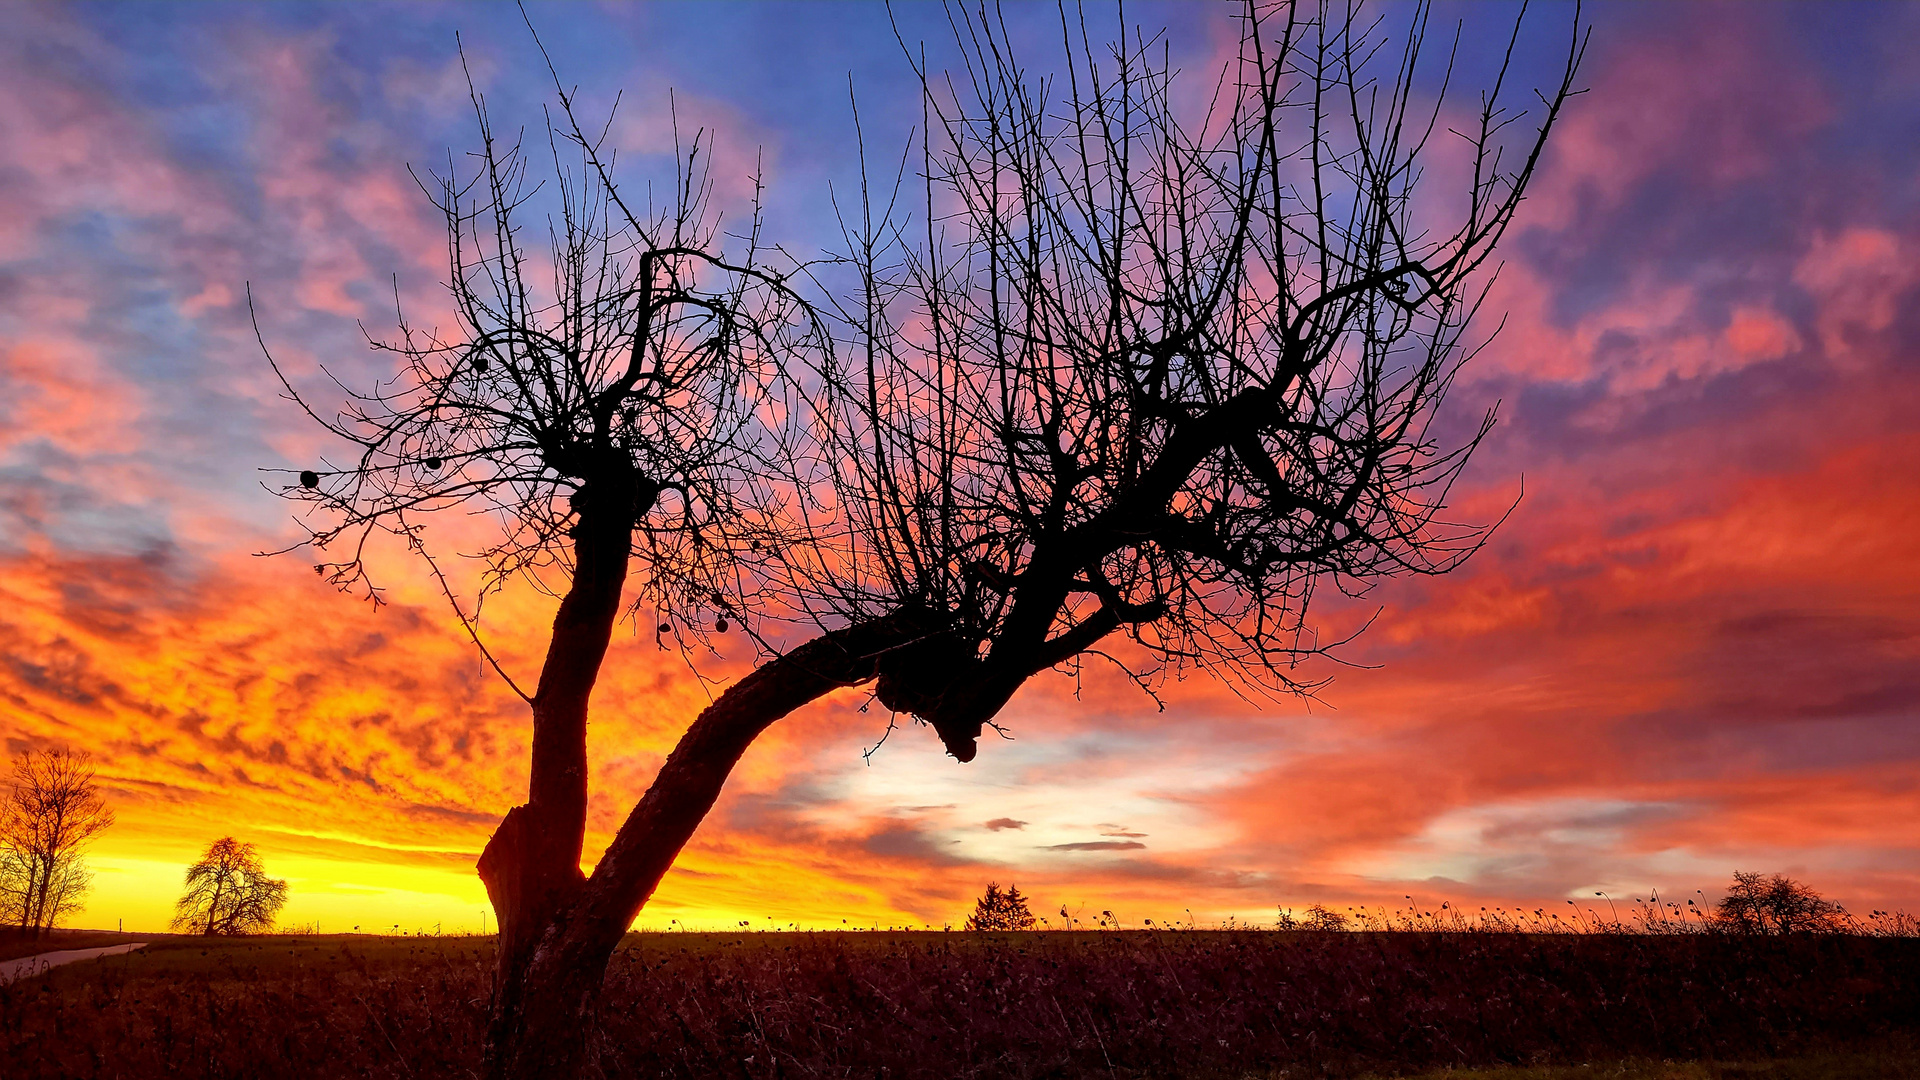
(28, 966)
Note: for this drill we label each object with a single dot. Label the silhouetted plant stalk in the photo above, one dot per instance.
(1113, 371)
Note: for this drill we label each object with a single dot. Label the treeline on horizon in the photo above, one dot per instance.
(1755, 903)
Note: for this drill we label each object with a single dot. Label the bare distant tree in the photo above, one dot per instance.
(52, 812)
(1129, 369)
(1320, 918)
(1759, 904)
(229, 892)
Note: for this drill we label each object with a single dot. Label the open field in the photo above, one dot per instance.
(1195, 1005)
(1885, 1062)
(14, 946)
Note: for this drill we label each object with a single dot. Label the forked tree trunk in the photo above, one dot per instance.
(558, 930)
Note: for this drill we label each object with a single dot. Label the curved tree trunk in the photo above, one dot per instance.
(531, 866)
(558, 928)
(552, 962)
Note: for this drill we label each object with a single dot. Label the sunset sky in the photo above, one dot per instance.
(1693, 648)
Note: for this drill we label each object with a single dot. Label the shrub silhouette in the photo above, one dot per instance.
(1757, 904)
(996, 910)
(1316, 918)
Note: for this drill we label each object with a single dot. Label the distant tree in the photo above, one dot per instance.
(48, 817)
(997, 910)
(1759, 904)
(1319, 918)
(229, 892)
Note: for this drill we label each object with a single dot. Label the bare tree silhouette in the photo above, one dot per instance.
(1158, 374)
(228, 892)
(1758, 904)
(46, 821)
(1127, 368)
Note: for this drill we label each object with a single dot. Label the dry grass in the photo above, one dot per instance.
(1893, 1061)
(1179, 1004)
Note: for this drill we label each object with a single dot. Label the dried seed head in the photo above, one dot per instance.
(434, 463)
(309, 478)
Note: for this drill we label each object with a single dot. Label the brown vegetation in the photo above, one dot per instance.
(1108, 1004)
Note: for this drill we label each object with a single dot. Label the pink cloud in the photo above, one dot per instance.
(57, 390)
(1860, 280)
(1682, 96)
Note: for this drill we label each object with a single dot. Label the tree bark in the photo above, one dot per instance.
(531, 866)
(29, 910)
(41, 923)
(551, 990)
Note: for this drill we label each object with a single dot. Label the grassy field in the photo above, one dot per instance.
(267, 957)
(1885, 1062)
(13, 946)
(1182, 1005)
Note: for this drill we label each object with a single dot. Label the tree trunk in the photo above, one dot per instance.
(29, 911)
(41, 922)
(548, 990)
(531, 866)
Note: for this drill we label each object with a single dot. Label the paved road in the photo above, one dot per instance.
(28, 966)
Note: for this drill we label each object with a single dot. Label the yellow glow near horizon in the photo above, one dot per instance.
(335, 896)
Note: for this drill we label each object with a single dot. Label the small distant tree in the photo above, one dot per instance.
(47, 819)
(1316, 918)
(229, 892)
(1319, 918)
(996, 910)
(1759, 904)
